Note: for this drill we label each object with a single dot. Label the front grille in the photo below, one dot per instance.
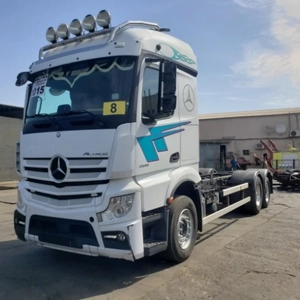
(62, 200)
(64, 232)
(85, 169)
(86, 180)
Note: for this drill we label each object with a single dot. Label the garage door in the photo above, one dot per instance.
(209, 155)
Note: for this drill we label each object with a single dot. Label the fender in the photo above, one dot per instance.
(191, 177)
(240, 177)
(177, 177)
(180, 176)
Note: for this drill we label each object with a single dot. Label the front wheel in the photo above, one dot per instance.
(183, 226)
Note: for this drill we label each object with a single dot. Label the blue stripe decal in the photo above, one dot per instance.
(155, 142)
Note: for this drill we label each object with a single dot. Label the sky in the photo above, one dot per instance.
(248, 51)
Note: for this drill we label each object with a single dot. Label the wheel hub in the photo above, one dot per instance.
(185, 229)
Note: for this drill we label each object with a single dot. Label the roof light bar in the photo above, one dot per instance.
(103, 19)
(51, 35)
(89, 23)
(76, 27)
(62, 31)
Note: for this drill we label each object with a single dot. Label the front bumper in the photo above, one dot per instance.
(123, 241)
(78, 230)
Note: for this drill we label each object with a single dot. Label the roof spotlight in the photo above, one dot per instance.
(89, 23)
(51, 35)
(104, 19)
(63, 31)
(75, 27)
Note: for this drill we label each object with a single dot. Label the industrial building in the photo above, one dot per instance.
(246, 135)
(10, 127)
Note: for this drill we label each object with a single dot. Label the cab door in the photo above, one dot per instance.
(157, 141)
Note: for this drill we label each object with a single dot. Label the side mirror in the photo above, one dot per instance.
(22, 78)
(168, 87)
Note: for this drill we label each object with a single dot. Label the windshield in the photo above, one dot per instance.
(97, 93)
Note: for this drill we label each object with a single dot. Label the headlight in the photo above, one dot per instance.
(118, 207)
(20, 204)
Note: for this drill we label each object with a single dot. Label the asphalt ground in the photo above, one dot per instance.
(236, 257)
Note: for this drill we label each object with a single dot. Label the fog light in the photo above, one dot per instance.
(121, 237)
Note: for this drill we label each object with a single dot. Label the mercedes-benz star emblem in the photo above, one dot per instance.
(58, 168)
(188, 98)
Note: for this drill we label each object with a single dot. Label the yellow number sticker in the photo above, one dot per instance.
(114, 108)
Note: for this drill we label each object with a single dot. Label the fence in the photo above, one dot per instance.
(285, 164)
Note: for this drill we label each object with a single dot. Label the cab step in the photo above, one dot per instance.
(153, 247)
(151, 218)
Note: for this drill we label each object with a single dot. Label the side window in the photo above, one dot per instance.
(150, 91)
(151, 97)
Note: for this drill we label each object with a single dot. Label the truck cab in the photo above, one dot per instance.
(109, 149)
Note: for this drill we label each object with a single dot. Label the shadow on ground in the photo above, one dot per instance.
(215, 228)
(41, 273)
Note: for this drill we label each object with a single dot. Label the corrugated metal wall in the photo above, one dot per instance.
(9, 133)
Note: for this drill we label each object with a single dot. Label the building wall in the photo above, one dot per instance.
(244, 133)
(9, 133)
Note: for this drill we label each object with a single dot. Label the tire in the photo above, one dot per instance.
(267, 194)
(257, 193)
(183, 208)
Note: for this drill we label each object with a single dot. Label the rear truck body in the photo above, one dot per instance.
(109, 149)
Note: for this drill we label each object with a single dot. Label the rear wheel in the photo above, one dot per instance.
(267, 194)
(257, 194)
(183, 226)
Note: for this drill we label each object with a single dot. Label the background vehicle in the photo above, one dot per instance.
(288, 178)
(109, 149)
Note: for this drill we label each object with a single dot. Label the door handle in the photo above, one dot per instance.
(174, 157)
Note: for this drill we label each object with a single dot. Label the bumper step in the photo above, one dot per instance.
(154, 247)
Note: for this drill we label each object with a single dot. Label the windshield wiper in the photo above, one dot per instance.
(82, 111)
(51, 118)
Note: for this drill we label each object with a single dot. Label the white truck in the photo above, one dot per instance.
(109, 149)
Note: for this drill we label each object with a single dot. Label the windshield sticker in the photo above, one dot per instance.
(59, 75)
(112, 108)
(38, 87)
